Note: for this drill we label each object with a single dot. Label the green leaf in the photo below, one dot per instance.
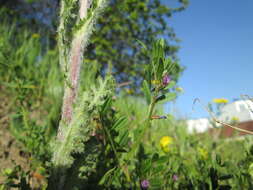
(147, 166)
(106, 106)
(106, 176)
(124, 138)
(146, 91)
(142, 44)
(170, 85)
(155, 157)
(161, 160)
(120, 123)
(160, 69)
(156, 183)
(225, 177)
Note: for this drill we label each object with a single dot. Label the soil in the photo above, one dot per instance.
(10, 150)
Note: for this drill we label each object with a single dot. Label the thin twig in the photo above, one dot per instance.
(217, 121)
(124, 84)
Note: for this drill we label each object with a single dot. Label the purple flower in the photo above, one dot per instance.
(175, 177)
(166, 80)
(145, 184)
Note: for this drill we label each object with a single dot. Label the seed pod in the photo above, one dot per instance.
(161, 97)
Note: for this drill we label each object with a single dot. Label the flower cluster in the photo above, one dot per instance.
(165, 143)
(164, 81)
(144, 184)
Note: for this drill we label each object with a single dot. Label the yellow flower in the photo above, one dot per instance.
(129, 91)
(165, 143)
(234, 119)
(35, 35)
(220, 100)
(155, 82)
(203, 153)
(179, 89)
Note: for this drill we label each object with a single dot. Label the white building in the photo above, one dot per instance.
(242, 110)
(198, 125)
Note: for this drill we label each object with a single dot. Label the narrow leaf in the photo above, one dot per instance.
(146, 91)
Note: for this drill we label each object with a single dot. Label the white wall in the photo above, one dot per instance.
(198, 125)
(243, 110)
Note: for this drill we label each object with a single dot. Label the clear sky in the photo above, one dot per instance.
(217, 51)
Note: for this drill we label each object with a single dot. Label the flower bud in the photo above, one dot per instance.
(144, 184)
(166, 80)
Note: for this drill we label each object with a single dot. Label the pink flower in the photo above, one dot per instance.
(166, 80)
(145, 184)
(175, 177)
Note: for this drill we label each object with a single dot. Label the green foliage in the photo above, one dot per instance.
(124, 23)
(20, 53)
(193, 161)
(31, 75)
(115, 40)
(34, 137)
(12, 176)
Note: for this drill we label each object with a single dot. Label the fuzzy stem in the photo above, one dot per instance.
(76, 59)
(71, 59)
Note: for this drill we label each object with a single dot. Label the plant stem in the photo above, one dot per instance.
(75, 61)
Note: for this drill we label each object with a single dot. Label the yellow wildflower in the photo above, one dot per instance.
(234, 119)
(129, 91)
(165, 143)
(203, 153)
(220, 100)
(179, 89)
(155, 82)
(36, 35)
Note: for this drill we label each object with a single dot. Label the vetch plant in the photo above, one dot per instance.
(144, 184)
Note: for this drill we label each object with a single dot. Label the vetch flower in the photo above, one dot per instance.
(175, 177)
(166, 80)
(165, 143)
(145, 184)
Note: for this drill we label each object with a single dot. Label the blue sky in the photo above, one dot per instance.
(217, 51)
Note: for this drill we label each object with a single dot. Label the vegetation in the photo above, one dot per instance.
(115, 39)
(110, 139)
